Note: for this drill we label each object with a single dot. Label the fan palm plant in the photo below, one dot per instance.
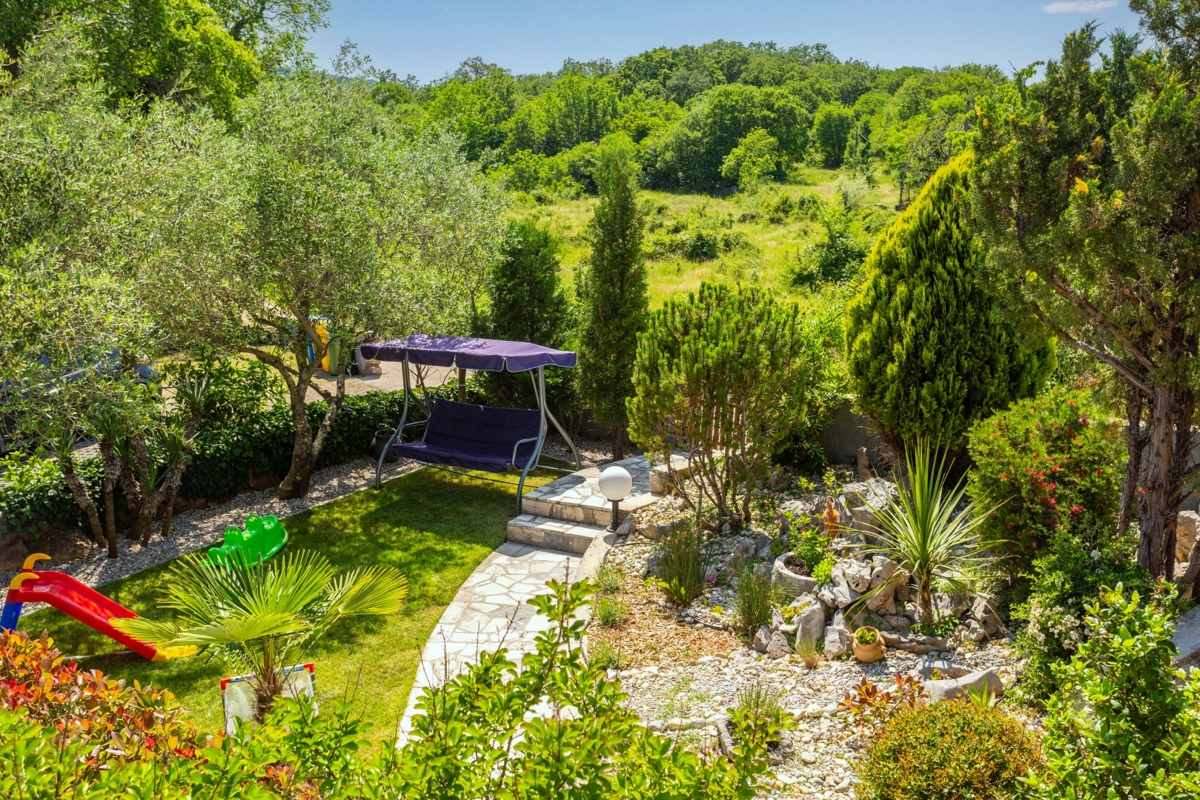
(924, 535)
(259, 618)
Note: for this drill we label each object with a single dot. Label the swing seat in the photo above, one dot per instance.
(484, 438)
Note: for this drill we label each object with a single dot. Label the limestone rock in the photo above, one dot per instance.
(762, 639)
(946, 670)
(897, 622)
(1187, 525)
(809, 618)
(876, 493)
(778, 646)
(837, 637)
(954, 688)
(853, 574)
(864, 465)
(986, 614)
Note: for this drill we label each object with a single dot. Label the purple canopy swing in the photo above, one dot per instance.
(469, 436)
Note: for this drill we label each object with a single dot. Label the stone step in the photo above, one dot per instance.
(555, 534)
(577, 498)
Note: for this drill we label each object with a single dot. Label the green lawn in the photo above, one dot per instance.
(433, 526)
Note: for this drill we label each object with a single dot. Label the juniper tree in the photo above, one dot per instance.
(929, 352)
(1088, 184)
(612, 290)
(724, 374)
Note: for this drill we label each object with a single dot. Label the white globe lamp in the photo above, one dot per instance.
(615, 484)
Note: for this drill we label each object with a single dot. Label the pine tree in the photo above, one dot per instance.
(612, 290)
(928, 350)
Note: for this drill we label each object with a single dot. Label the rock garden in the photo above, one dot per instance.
(685, 665)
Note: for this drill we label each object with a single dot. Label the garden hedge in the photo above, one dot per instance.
(33, 495)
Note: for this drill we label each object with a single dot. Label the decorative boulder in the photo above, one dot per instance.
(853, 574)
(954, 688)
(837, 637)
(762, 639)
(809, 617)
(1187, 525)
(778, 647)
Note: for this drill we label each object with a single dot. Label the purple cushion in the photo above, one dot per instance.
(474, 437)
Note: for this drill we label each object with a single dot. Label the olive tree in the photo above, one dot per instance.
(318, 213)
(80, 202)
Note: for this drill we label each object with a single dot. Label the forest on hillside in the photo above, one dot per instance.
(705, 119)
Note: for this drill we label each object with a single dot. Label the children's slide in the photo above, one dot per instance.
(76, 600)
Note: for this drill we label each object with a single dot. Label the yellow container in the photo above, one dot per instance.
(324, 334)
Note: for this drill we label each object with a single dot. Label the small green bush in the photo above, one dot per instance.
(610, 579)
(950, 749)
(755, 598)
(1126, 722)
(602, 655)
(681, 565)
(812, 546)
(1068, 577)
(609, 612)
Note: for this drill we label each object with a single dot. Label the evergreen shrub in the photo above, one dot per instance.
(928, 352)
(948, 749)
(725, 374)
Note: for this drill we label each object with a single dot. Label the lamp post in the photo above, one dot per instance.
(615, 483)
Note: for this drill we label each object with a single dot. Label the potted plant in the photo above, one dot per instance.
(867, 644)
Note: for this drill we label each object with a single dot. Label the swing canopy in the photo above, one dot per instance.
(492, 355)
(465, 435)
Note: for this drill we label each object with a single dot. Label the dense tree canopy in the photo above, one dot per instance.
(1089, 185)
(688, 107)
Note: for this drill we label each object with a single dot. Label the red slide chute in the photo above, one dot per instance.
(77, 600)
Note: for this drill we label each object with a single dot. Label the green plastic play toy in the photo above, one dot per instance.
(263, 538)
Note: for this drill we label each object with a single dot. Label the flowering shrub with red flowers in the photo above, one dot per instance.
(1053, 464)
(110, 720)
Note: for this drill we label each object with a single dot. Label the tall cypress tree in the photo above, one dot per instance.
(612, 290)
(928, 350)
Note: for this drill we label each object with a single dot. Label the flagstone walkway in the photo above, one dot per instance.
(488, 612)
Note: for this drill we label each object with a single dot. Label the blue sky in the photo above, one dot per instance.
(430, 38)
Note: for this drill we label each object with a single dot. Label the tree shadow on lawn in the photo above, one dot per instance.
(433, 526)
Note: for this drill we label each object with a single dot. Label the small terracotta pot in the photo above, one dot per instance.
(867, 653)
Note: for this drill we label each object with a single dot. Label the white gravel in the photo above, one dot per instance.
(195, 530)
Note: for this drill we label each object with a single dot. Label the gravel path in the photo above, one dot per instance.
(195, 530)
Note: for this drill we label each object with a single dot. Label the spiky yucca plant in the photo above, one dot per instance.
(921, 532)
(259, 618)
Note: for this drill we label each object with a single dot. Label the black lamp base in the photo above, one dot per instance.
(616, 516)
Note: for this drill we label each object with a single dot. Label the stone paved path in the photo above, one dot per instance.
(489, 611)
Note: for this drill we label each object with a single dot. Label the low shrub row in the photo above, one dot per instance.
(33, 494)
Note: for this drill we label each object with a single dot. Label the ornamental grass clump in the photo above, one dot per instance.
(951, 749)
(756, 596)
(681, 565)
